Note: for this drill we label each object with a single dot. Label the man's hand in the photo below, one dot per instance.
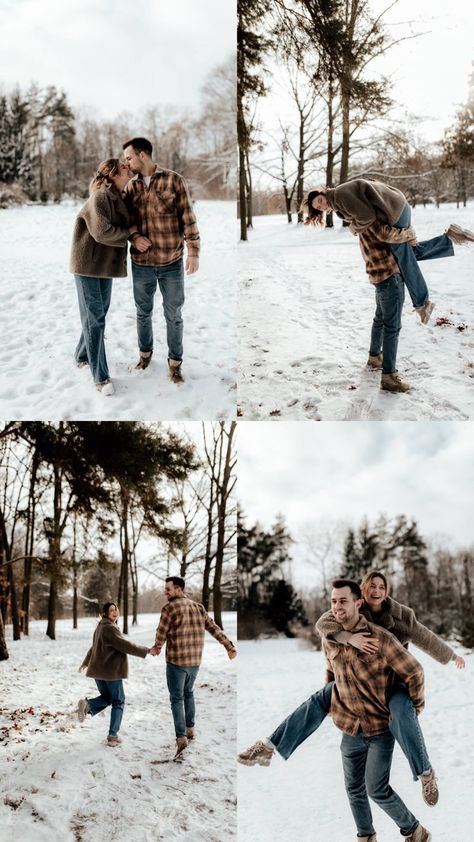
(364, 642)
(141, 243)
(155, 650)
(192, 265)
(232, 653)
(460, 662)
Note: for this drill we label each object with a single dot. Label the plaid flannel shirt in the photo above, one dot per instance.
(182, 625)
(363, 682)
(379, 260)
(163, 212)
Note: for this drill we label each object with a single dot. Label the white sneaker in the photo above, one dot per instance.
(106, 388)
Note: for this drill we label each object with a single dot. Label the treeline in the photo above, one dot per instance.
(342, 126)
(436, 582)
(49, 150)
(83, 503)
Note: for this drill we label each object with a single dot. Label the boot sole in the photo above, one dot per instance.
(256, 762)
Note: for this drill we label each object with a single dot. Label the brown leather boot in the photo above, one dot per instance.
(144, 359)
(372, 838)
(393, 383)
(425, 312)
(429, 788)
(174, 371)
(420, 834)
(181, 744)
(375, 361)
(459, 235)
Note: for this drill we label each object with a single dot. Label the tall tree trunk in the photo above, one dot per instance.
(125, 559)
(221, 524)
(52, 608)
(3, 643)
(249, 190)
(300, 177)
(241, 134)
(29, 544)
(10, 575)
(330, 148)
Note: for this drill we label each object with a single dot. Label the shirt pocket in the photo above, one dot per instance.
(165, 202)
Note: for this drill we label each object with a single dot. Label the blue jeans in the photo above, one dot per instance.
(366, 762)
(180, 681)
(407, 258)
(404, 725)
(94, 296)
(171, 282)
(111, 693)
(302, 722)
(387, 323)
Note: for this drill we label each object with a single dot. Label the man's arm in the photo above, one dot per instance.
(387, 234)
(219, 635)
(162, 630)
(188, 225)
(408, 668)
(328, 627)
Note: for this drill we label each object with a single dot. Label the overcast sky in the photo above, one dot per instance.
(314, 472)
(429, 73)
(116, 55)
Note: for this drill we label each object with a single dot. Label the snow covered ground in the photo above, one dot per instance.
(60, 782)
(304, 798)
(305, 313)
(39, 326)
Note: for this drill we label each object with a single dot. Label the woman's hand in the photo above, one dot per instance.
(82, 669)
(364, 642)
(141, 243)
(460, 662)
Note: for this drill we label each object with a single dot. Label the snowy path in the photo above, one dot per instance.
(61, 783)
(304, 797)
(39, 325)
(305, 312)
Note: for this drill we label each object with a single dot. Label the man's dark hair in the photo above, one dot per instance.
(140, 144)
(348, 583)
(178, 582)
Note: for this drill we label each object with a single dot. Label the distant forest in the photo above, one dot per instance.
(49, 150)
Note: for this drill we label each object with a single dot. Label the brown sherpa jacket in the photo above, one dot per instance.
(398, 619)
(99, 240)
(362, 202)
(107, 657)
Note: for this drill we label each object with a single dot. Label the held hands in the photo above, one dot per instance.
(460, 662)
(141, 243)
(155, 650)
(192, 265)
(232, 653)
(364, 642)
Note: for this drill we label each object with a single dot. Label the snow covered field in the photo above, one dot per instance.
(304, 797)
(61, 783)
(305, 313)
(39, 326)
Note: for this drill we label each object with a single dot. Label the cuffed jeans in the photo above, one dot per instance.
(111, 693)
(171, 282)
(387, 323)
(180, 682)
(366, 763)
(404, 726)
(94, 296)
(407, 258)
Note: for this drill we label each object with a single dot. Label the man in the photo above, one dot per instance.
(359, 709)
(182, 625)
(362, 683)
(161, 208)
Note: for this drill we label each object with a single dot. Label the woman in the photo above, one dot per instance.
(106, 661)
(400, 620)
(366, 204)
(99, 253)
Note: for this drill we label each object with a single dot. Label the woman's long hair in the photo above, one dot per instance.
(365, 584)
(106, 606)
(102, 176)
(313, 216)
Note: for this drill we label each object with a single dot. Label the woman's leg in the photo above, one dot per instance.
(405, 256)
(117, 700)
(302, 722)
(94, 298)
(405, 727)
(99, 703)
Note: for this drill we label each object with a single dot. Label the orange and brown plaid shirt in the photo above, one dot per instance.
(379, 260)
(182, 625)
(164, 213)
(362, 682)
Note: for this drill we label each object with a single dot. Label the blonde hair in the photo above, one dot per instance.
(365, 584)
(102, 177)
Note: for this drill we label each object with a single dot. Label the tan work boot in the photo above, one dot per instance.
(258, 753)
(375, 361)
(82, 709)
(393, 383)
(459, 235)
(190, 733)
(372, 838)
(420, 834)
(181, 744)
(113, 740)
(105, 388)
(144, 360)
(425, 312)
(429, 788)
(174, 371)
